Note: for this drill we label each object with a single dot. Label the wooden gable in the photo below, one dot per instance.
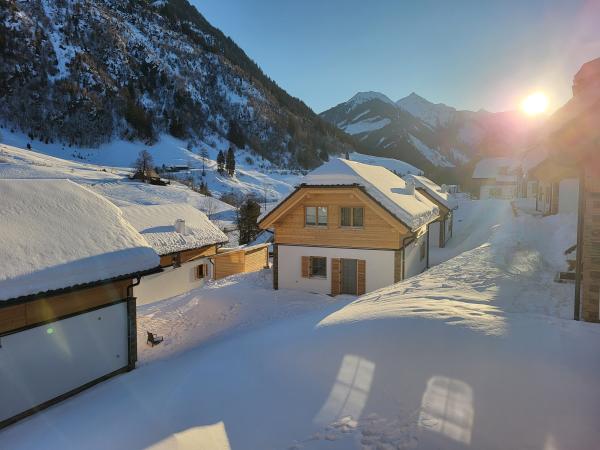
(381, 230)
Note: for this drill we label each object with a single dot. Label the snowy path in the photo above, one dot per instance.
(469, 355)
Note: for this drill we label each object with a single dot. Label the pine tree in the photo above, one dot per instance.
(235, 135)
(230, 163)
(247, 219)
(220, 162)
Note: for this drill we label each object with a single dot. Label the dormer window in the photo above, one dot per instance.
(315, 215)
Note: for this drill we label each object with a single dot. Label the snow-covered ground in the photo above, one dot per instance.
(111, 182)
(254, 175)
(470, 354)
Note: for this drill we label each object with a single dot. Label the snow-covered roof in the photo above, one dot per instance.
(157, 224)
(494, 168)
(400, 168)
(434, 190)
(413, 209)
(57, 234)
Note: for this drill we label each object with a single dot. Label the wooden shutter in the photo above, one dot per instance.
(335, 276)
(361, 276)
(305, 266)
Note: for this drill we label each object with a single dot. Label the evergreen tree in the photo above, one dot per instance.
(220, 162)
(235, 135)
(247, 219)
(347, 155)
(230, 162)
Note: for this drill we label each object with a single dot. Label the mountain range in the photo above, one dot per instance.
(428, 135)
(87, 72)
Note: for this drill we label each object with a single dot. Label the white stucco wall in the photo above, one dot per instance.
(568, 195)
(41, 363)
(170, 282)
(414, 264)
(379, 267)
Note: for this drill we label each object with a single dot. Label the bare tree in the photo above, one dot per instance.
(144, 164)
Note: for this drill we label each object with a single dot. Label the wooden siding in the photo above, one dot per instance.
(590, 288)
(380, 230)
(46, 309)
(240, 261)
(187, 255)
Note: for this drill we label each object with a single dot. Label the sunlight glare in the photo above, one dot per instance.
(535, 104)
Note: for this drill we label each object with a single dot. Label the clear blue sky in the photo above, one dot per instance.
(467, 54)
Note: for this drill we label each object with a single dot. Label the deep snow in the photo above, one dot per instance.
(470, 354)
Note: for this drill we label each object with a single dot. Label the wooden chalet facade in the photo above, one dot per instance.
(343, 238)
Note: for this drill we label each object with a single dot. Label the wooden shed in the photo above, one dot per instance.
(240, 260)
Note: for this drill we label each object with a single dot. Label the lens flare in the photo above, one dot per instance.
(535, 103)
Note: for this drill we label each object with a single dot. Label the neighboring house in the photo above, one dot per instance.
(440, 230)
(573, 139)
(67, 311)
(557, 186)
(496, 178)
(249, 258)
(149, 176)
(185, 240)
(349, 228)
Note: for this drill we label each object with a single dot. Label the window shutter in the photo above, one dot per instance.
(305, 266)
(335, 276)
(361, 276)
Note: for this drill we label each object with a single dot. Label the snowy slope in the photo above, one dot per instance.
(469, 355)
(254, 175)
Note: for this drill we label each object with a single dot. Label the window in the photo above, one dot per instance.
(318, 266)
(315, 215)
(322, 215)
(201, 271)
(311, 215)
(352, 217)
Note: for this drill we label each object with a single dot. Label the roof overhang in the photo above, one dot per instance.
(77, 287)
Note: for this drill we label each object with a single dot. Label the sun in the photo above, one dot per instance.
(535, 104)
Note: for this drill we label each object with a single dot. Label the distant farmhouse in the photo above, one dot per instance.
(440, 231)
(497, 178)
(557, 186)
(67, 312)
(349, 228)
(185, 240)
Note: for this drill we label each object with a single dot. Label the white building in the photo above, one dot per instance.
(349, 228)
(441, 230)
(497, 178)
(184, 238)
(68, 262)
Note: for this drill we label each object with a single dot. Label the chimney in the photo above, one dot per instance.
(180, 226)
(410, 187)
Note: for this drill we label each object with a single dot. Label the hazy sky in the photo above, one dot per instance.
(467, 54)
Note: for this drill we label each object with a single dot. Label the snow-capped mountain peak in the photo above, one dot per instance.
(433, 114)
(363, 97)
